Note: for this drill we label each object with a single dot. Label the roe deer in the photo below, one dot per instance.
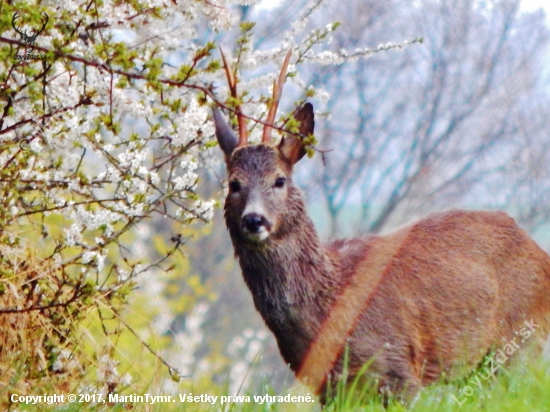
(438, 293)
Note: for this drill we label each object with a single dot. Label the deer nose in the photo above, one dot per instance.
(252, 222)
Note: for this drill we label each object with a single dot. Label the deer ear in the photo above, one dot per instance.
(226, 138)
(291, 147)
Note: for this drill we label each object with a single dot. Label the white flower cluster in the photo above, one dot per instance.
(243, 350)
(107, 372)
(194, 120)
(65, 361)
(189, 339)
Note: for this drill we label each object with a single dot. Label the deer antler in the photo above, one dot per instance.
(232, 81)
(277, 92)
(43, 26)
(15, 16)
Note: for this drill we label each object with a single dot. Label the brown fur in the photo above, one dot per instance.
(416, 303)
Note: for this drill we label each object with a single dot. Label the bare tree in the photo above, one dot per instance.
(435, 124)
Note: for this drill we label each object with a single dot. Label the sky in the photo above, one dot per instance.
(529, 5)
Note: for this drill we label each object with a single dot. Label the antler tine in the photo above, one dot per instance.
(45, 23)
(15, 17)
(277, 92)
(232, 81)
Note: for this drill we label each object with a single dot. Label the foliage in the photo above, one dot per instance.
(40, 306)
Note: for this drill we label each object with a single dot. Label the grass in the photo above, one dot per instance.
(522, 387)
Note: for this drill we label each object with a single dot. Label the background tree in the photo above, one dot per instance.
(432, 126)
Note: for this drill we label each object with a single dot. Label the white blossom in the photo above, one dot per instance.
(193, 120)
(73, 234)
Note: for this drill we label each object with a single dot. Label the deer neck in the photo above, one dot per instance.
(292, 278)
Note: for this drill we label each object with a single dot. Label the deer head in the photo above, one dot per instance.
(29, 39)
(261, 194)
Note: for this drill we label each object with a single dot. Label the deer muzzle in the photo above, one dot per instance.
(255, 227)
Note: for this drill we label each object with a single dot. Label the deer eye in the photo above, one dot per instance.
(280, 182)
(234, 186)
